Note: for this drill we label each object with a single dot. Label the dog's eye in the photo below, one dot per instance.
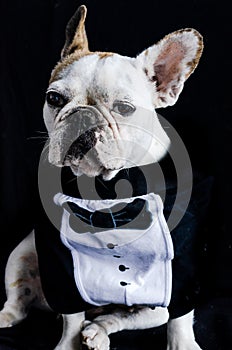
(123, 108)
(55, 99)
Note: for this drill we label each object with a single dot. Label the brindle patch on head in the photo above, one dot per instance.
(104, 54)
(68, 60)
(75, 56)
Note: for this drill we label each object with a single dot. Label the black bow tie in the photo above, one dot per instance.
(131, 216)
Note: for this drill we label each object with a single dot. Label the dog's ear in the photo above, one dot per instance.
(169, 63)
(76, 39)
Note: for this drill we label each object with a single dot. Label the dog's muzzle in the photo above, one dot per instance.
(92, 141)
(75, 136)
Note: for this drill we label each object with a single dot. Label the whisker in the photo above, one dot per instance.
(37, 137)
(98, 179)
(71, 180)
(41, 132)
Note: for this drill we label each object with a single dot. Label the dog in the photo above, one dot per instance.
(110, 90)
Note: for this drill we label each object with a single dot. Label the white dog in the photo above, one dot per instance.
(93, 116)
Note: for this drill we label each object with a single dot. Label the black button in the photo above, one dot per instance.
(117, 256)
(110, 245)
(123, 283)
(123, 268)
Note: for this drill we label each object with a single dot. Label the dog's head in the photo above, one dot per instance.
(100, 106)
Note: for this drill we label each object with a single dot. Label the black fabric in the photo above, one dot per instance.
(187, 239)
(55, 261)
(31, 42)
(56, 268)
(115, 217)
(119, 214)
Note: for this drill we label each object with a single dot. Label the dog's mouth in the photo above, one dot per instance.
(106, 173)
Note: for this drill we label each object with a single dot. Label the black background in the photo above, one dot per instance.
(32, 36)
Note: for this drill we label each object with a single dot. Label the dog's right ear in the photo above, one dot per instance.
(76, 39)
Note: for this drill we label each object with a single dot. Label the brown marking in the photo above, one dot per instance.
(79, 44)
(74, 48)
(145, 71)
(90, 101)
(154, 79)
(193, 64)
(163, 99)
(79, 40)
(18, 283)
(105, 54)
(75, 56)
(7, 317)
(32, 258)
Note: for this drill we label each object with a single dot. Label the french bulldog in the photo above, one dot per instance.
(95, 114)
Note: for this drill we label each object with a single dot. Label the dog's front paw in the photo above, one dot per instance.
(94, 336)
(8, 319)
(183, 345)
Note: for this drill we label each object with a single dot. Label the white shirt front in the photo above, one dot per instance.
(121, 265)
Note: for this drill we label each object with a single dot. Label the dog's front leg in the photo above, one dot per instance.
(95, 334)
(22, 282)
(72, 325)
(180, 333)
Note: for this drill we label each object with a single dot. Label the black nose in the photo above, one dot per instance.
(81, 125)
(83, 144)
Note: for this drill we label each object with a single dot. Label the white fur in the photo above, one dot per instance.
(138, 139)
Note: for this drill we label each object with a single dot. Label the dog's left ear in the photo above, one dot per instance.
(76, 39)
(170, 62)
